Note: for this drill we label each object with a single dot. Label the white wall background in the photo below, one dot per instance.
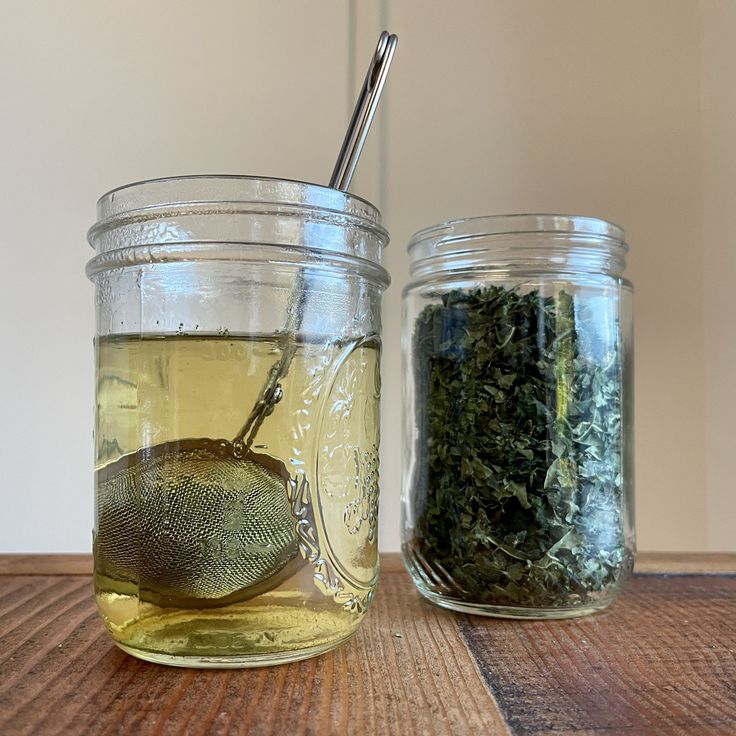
(622, 110)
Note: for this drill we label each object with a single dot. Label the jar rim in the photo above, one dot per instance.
(522, 243)
(106, 205)
(482, 226)
(195, 211)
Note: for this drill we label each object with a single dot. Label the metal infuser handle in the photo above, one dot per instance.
(271, 392)
(342, 175)
(365, 109)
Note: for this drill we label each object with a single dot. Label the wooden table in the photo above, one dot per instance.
(661, 660)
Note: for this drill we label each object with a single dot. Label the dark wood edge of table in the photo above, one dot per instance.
(688, 563)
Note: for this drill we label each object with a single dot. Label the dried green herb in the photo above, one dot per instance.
(518, 485)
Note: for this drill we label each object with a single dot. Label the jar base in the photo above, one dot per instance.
(244, 661)
(515, 612)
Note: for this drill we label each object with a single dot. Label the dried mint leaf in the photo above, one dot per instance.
(518, 489)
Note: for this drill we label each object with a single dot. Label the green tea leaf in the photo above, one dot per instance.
(518, 489)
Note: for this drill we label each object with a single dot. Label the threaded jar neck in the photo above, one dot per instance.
(518, 245)
(236, 218)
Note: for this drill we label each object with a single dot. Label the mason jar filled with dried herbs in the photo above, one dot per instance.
(518, 477)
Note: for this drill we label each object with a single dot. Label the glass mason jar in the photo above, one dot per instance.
(237, 420)
(518, 474)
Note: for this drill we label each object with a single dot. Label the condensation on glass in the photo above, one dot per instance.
(517, 492)
(220, 299)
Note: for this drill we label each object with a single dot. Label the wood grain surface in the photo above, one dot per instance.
(661, 562)
(407, 671)
(661, 660)
(45, 564)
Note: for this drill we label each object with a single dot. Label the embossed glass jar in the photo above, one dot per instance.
(518, 475)
(227, 304)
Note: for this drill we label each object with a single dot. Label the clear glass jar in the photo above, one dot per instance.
(237, 420)
(518, 475)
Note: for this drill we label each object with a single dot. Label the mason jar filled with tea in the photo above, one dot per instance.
(518, 467)
(237, 417)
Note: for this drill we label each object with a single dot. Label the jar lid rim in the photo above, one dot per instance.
(315, 194)
(514, 224)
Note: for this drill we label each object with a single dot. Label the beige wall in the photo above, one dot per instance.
(570, 107)
(718, 247)
(622, 110)
(95, 94)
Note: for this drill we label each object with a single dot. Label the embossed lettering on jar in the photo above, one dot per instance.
(220, 539)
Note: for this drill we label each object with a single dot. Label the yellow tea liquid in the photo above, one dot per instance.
(154, 390)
